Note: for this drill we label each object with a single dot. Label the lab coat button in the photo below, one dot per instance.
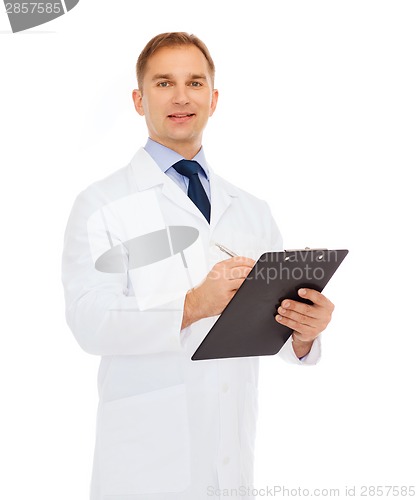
(226, 460)
(225, 388)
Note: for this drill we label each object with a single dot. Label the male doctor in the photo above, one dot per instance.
(144, 282)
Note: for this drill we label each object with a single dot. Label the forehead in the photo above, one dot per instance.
(177, 61)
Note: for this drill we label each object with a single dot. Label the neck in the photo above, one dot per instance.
(188, 151)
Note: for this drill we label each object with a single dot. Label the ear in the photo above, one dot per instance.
(137, 101)
(214, 98)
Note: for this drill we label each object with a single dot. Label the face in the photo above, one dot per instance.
(177, 98)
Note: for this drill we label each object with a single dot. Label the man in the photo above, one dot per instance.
(143, 294)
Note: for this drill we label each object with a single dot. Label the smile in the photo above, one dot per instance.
(181, 117)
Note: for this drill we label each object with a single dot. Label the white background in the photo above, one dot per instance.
(317, 115)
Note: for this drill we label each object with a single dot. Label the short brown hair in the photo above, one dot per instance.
(173, 39)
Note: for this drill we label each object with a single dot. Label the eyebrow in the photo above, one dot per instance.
(170, 76)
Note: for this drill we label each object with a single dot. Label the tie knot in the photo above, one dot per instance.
(187, 167)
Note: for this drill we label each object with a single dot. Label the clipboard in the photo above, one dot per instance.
(247, 326)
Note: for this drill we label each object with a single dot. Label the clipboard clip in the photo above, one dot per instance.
(302, 250)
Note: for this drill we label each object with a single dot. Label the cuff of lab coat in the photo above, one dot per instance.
(287, 353)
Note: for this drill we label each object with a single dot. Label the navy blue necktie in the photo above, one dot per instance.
(196, 193)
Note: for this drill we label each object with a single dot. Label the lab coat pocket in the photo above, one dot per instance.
(250, 415)
(144, 444)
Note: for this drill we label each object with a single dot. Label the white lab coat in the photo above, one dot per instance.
(167, 427)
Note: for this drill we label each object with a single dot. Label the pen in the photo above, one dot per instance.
(226, 250)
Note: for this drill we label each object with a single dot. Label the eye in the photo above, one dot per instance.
(196, 84)
(163, 84)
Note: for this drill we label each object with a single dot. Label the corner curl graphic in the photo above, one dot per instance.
(25, 15)
(130, 236)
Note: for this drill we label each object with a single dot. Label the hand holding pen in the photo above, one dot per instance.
(218, 287)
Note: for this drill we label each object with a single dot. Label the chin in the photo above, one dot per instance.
(184, 138)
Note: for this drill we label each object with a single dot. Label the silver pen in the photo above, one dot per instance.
(226, 250)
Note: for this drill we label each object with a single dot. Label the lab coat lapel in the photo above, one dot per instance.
(222, 195)
(147, 174)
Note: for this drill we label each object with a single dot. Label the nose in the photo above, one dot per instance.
(180, 95)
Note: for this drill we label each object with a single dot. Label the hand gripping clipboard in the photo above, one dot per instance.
(247, 326)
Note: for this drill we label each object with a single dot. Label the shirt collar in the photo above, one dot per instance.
(166, 157)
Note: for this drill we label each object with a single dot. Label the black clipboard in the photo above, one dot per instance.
(247, 326)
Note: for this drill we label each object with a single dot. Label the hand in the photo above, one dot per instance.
(217, 289)
(307, 321)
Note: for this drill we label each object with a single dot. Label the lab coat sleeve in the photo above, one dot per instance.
(101, 312)
(313, 357)
(287, 352)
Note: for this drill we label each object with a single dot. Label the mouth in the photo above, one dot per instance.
(181, 117)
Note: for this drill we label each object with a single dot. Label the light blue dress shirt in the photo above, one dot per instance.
(165, 158)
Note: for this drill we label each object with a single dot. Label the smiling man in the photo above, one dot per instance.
(168, 427)
(178, 101)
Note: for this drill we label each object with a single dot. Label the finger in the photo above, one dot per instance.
(240, 261)
(237, 272)
(235, 284)
(304, 329)
(316, 297)
(301, 308)
(229, 269)
(298, 317)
